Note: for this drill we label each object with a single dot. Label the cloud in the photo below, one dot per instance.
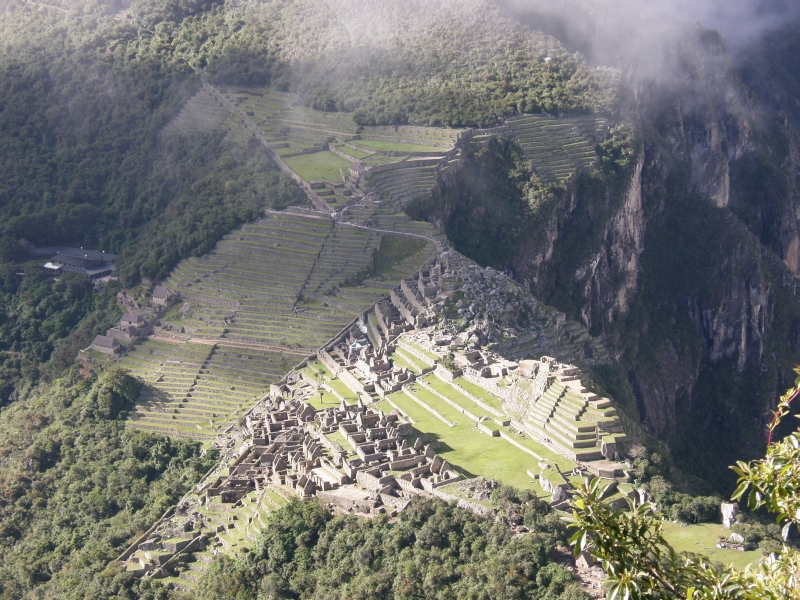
(609, 31)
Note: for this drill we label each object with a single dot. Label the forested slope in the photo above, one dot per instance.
(681, 248)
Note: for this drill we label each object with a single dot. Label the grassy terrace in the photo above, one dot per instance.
(239, 530)
(336, 436)
(475, 453)
(353, 152)
(328, 400)
(454, 395)
(557, 147)
(193, 389)
(344, 391)
(405, 340)
(318, 166)
(702, 539)
(384, 146)
(480, 393)
(408, 360)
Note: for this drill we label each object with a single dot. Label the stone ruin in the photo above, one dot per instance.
(286, 444)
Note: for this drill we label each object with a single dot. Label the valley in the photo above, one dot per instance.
(389, 291)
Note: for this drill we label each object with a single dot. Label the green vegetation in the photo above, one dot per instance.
(89, 165)
(474, 452)
(434, 550)
(43, 323)
(404, 79)
(486, 212)
(702, 539)
(557, 148)
(319, 166)
(76, 486)
(192, 390)
(394, 249)
(632, 548)
(383, 146)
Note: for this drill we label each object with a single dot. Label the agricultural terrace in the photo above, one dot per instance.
(320, 146)
(557, 147)
(463, 444)
(318, 166)
(387, 146)
(702, 539)
(263, 299)
(237, 529)
(191, 389)
(202, 112)
(290, 281)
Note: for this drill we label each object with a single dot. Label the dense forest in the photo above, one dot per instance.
(76, 486)
(87, 90)
(433, 550)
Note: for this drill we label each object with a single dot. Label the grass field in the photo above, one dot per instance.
(702, 539)
(382, 146)
(475, 453)
(318, 166)
(354, 153)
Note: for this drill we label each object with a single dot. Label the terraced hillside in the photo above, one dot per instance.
(290, 281)
(237, 528)
(398, 163)
(192, 389)
(285, 285)
(557, 148)
(203, 112)
(267, 296)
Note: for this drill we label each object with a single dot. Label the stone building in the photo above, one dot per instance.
(105, 344)
(130, 328)
(163, 296)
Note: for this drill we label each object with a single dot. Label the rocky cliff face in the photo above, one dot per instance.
(686, 266)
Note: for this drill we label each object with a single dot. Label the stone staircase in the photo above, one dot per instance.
(573, 420)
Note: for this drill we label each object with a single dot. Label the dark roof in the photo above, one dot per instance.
(76, 260)
(104, 341)
(129, 318)
(161, 291)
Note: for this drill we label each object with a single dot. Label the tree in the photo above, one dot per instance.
(631, 548)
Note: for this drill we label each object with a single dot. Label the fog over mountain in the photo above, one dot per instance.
(609, 32)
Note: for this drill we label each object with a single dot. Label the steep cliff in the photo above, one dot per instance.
(680, 250)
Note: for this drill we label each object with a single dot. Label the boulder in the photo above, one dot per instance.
(736, 538)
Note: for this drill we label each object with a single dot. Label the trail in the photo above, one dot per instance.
(439, 245)
(226, 342)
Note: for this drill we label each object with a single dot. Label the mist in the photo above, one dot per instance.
(611, 32)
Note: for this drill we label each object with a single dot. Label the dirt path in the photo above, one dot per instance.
(224, 342)
(439, 245)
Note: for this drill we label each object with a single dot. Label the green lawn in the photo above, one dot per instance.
(407, 341)
(480, 393)
(382, 146)
(702, 539)
(353, 152)
(382, 159)
(336, 436)
(318, 166)
(339, 386)
(475, 453)
(317, 364)
(328, 400)
(447, 390)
